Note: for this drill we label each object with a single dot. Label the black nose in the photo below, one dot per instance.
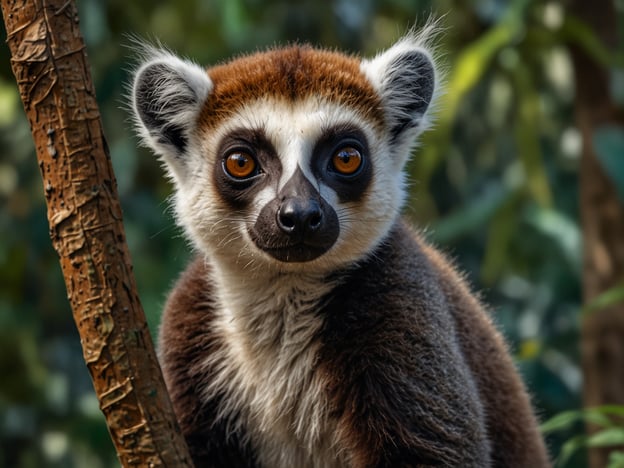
(299, 217)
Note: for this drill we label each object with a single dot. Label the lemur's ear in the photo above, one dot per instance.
(167, 96)
(405, 77)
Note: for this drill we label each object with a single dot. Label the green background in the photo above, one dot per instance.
(494, 184)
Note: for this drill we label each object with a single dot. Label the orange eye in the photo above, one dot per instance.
(347, 160)
(240, 165)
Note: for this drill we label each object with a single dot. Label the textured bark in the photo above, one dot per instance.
(602, 215)
(50, 65)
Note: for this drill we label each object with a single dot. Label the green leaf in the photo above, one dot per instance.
(607, 299)
(608, 142)
(596, 415)
(607, 437)
(527, 133)
(616, 460)
(569, 448)
(563, 231)
(580, 33)
(561, 421)
(472, 216)
(474, 59)
(617, 410)
(502, 227)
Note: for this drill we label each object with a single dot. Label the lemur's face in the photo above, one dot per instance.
(290, 158)
(295, 175)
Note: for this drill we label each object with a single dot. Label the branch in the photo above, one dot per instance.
(50, 64)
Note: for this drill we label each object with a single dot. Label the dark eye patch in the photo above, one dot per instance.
(254, 142)
(349, 188)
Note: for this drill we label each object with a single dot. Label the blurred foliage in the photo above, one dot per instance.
(608, 419)
(494, 183)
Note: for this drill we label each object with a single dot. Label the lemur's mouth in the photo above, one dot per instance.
(293, 253)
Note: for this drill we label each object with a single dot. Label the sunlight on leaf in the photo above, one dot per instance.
(9, 102)
(473, 61)
(607, 437)
(527, 136)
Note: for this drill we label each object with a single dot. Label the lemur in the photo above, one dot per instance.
(315, 328)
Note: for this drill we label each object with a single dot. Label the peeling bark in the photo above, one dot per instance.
(50, 64)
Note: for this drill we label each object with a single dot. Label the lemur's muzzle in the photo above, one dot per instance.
(298, 225)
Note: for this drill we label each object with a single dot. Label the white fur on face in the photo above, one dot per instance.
(293, 130)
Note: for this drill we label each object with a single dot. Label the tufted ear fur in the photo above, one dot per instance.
(407, 80)
(167, 96)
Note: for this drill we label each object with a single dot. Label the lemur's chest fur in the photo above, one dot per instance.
(266, 372)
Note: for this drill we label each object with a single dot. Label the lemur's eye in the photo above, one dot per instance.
(347, 160)
(240, 165)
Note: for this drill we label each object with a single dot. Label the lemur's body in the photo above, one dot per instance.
(314, 328)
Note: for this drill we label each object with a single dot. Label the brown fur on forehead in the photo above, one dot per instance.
(292, 74)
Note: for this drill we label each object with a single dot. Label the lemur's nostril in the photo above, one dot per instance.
(315, 220)
(286, 218)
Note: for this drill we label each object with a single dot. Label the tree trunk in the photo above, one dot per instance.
(602, 217)
(50, 65)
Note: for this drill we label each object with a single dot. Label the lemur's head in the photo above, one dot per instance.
(291, 158)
